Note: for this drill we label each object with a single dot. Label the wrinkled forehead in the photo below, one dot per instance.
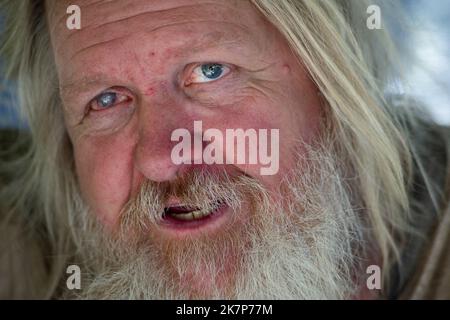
(97, 9)
(100, 19)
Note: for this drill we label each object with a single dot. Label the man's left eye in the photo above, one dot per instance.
(208, 72)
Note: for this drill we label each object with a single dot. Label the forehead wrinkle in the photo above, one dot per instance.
(124, 13)
(106, 30)
(210, 40)
(91, 19)
(119, 20)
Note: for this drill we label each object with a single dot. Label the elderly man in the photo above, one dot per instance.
(217, 149)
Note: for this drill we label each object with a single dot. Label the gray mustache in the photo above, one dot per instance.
(196, 188)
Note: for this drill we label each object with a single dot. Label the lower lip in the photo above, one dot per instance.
(212, 221)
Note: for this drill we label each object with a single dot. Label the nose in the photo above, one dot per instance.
(156, 122)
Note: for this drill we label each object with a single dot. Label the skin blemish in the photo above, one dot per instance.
(286, 69)
(150, 91)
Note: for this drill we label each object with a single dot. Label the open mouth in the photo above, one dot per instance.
(187, 216)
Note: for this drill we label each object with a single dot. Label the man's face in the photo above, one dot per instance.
(138, 70)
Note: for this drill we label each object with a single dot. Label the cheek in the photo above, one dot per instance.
(306, 114)
(105, 172)
(296, 113)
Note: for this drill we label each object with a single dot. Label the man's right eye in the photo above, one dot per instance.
(107, 100)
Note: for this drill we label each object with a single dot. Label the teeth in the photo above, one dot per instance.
(193, 215)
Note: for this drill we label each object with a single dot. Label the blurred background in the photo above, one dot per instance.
(429, 42)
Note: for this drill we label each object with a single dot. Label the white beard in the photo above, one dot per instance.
(308, 247)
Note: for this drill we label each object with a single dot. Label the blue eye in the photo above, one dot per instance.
(106, 100)
(212, 71)
(208, 72)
